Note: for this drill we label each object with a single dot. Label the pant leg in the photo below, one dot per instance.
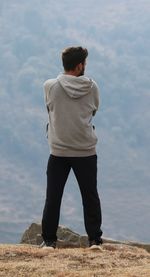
(85, 169)
(57, 173)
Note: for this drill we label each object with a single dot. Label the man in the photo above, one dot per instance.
(72, 100)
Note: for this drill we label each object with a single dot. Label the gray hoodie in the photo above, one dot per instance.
(71, 102)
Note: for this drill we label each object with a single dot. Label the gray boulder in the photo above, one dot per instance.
(66, 237)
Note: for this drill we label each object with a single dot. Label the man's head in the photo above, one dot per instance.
(74, 60)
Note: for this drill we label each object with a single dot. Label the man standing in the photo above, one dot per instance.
(72, 100)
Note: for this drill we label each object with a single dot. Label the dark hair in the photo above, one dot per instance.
(72, 56)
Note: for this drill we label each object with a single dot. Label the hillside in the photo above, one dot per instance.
(114, 260)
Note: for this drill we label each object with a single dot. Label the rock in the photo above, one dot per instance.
(66, 237)
(30, 235)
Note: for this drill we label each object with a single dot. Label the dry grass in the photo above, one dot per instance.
(114, 260)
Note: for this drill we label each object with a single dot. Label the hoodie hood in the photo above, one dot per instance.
(75, 87)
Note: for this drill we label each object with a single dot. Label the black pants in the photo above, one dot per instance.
(85, 170)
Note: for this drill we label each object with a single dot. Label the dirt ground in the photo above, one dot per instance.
(113, 260)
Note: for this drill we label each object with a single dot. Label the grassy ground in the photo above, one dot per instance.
(114, 260)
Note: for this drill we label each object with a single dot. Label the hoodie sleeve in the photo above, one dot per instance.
(46, 91)
(96, 98)
(47, 86)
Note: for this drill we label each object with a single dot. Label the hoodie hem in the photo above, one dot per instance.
(73, 153)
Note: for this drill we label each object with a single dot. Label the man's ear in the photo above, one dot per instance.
(79, 67)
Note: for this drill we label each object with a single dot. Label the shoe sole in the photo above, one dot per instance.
(96, 247)
(48, 248)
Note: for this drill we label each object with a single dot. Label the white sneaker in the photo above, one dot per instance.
(51, 245)
(95, 244)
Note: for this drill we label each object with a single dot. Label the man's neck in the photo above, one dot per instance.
(71, 72)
